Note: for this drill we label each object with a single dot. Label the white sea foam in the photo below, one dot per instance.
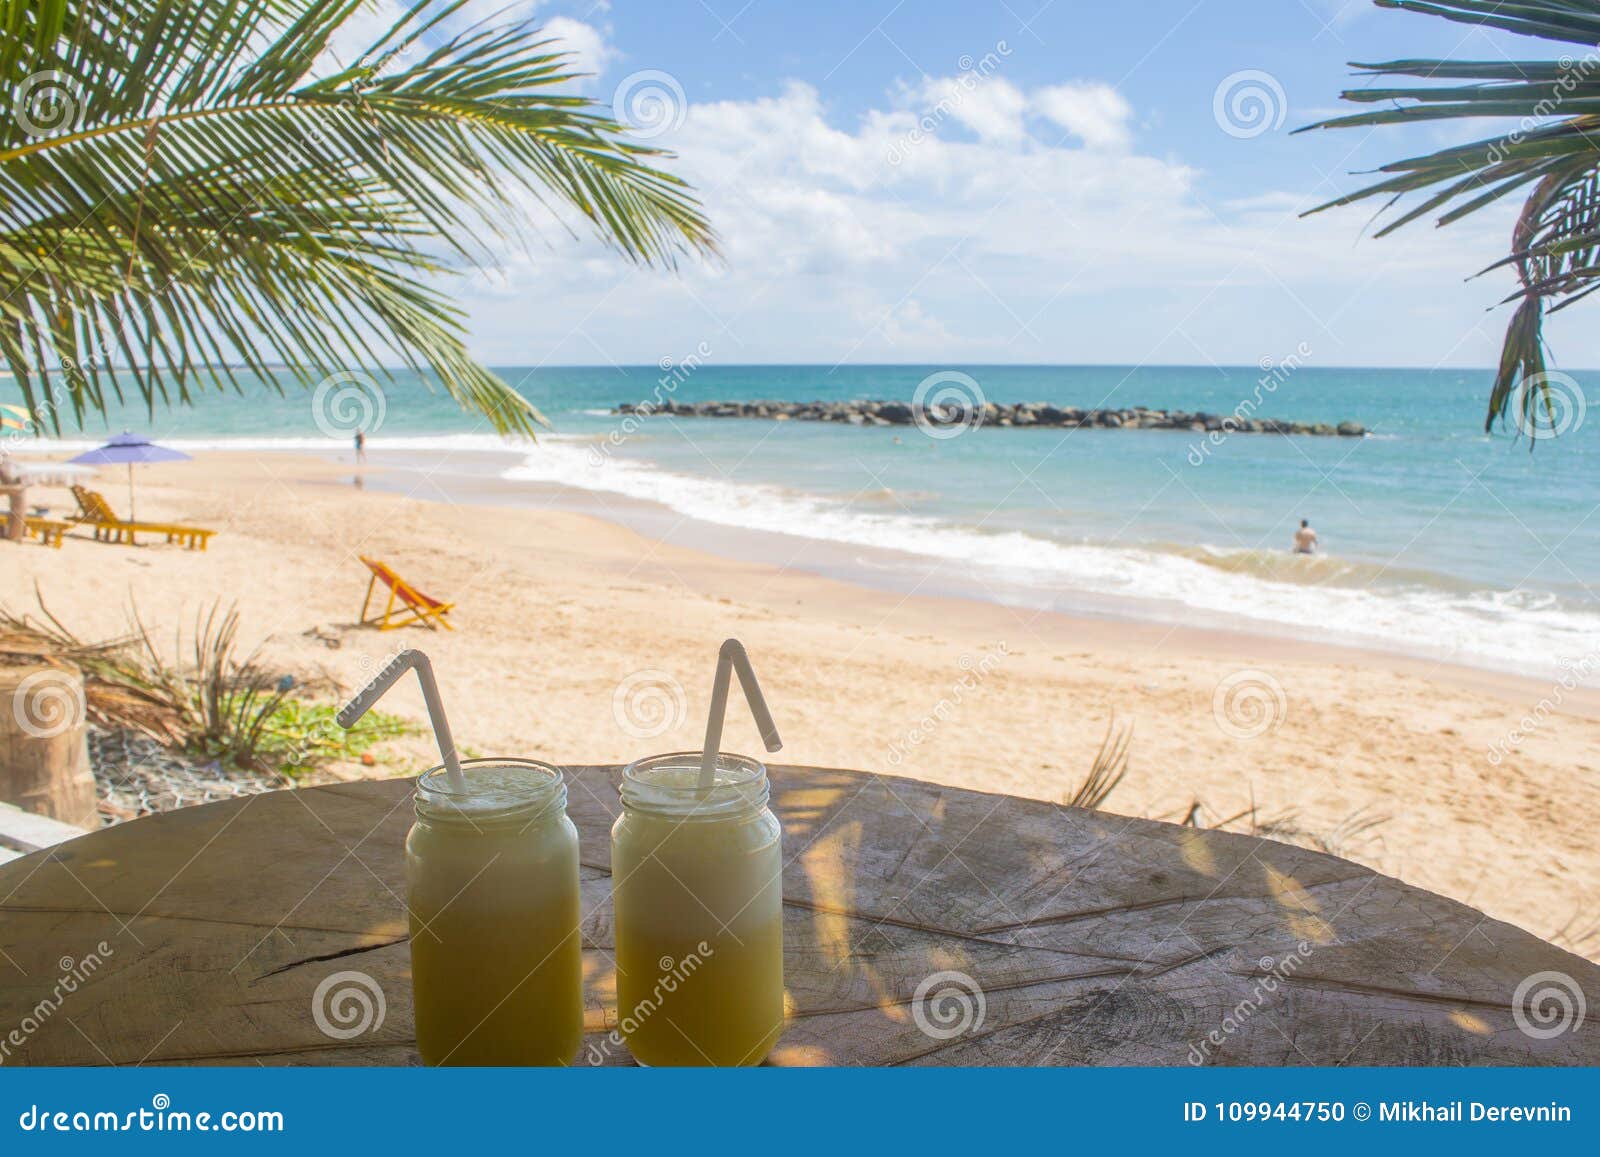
(1506, 630)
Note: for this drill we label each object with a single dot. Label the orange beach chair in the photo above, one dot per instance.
(414, 606)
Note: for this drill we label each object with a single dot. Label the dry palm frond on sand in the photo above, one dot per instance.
(115, 694)
(1110, 765)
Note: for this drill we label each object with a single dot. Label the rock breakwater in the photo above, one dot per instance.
(878, 413)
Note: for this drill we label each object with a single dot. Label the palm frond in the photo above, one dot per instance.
(1573, 21)
(197, 186)
(1109, 767)
(1553, 147)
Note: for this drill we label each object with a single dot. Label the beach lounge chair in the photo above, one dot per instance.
(414, 606)
(96, 513)
(50, 531)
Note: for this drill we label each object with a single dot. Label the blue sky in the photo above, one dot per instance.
(1011, 181)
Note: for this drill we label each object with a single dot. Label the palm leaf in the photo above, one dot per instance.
(213, 191)
(1109, 767)
(1552, 150)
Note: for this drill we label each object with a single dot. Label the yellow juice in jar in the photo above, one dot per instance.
(698, 897)
(492, 888)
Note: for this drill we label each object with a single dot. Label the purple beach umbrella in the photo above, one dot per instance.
(130, 450)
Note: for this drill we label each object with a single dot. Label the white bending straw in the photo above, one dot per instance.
(387, 678)
(732, 657)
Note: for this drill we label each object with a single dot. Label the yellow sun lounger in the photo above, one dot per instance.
(415, 607)
(96, 513)
(50, 531)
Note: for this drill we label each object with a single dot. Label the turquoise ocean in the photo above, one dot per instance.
(1439, 540)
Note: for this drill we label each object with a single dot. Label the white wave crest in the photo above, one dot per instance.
(1496, 629)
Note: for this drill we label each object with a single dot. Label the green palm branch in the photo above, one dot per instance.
(1552, 150)
(194, 188)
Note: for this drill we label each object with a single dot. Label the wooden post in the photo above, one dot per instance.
(44, 743)
(15, 524)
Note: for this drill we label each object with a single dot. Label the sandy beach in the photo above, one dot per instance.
(581, 641)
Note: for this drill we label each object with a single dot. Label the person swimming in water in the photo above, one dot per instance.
(1305, 539)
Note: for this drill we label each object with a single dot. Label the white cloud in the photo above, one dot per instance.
(1096, 114)
(905, 326)
(977, 239)
(589, 47)
(993, 109)
(997, 111)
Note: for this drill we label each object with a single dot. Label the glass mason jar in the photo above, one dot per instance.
(492, 889)
(697, 887)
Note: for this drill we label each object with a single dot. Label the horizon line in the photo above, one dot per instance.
(657, 367)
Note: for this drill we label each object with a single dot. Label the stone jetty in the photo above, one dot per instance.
(871, 413)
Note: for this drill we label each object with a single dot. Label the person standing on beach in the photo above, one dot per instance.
(1305, 539)
(361, 447)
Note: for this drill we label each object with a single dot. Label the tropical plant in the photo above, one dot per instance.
(190, 188)
(221, 705)
(1554, 146)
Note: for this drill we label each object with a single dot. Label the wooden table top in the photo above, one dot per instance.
(924, 925)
